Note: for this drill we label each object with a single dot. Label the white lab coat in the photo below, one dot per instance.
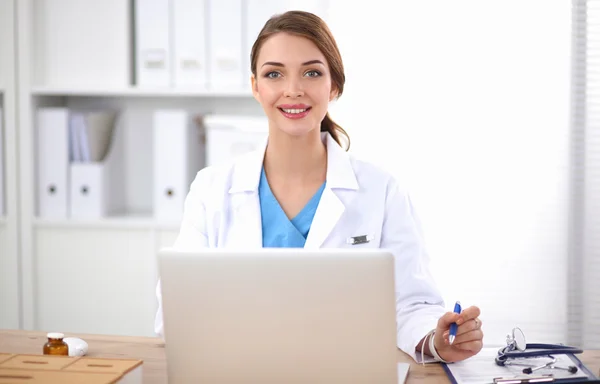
(222, 209)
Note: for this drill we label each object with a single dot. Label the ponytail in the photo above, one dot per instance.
(328, 125)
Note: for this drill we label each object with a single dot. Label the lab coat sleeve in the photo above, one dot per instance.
(419, 303)
(192, 233)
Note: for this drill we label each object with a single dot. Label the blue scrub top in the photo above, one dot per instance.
(277, 230)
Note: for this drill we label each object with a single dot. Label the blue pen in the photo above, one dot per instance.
(454, 326)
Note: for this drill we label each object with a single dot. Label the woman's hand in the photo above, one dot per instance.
(469, 336)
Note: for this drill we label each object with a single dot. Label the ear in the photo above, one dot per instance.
(254, 83)
(333, 94)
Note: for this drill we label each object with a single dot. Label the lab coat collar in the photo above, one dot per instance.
(340, 173)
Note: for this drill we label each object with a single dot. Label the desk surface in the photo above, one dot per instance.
(152, 352)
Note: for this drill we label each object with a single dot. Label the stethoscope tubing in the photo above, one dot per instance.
(538, 351)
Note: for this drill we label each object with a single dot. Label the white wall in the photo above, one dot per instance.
(467, 103)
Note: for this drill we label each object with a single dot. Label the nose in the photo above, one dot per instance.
(293, 94)
(294, 89)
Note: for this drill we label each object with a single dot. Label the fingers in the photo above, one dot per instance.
(465, 337)
(447, 319)
(472, 346)
(467, 314)
(469, 326)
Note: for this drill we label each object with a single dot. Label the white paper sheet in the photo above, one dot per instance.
(482, 368)
(402, 372)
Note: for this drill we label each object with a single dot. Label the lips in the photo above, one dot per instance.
(294, 111)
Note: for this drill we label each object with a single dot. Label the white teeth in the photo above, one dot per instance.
(293, 110)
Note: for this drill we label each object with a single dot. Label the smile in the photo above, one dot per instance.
(294, 110)
(294, 113)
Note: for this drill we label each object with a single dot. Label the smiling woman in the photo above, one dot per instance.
(322, 76)
(303, 190)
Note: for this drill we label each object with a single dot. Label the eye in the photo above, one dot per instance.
(272, 75)
(313, 73)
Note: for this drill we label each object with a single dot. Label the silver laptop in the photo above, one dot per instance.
(279, 316)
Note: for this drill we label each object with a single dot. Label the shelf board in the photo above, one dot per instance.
(111, 222)
(137, 92)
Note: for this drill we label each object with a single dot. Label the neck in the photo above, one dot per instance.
(296, 158)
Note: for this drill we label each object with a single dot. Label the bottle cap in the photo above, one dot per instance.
(55, 335)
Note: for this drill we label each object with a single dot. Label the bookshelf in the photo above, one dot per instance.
(91, 275)
(107, 265)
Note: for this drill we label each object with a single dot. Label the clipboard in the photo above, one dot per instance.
(482, 369)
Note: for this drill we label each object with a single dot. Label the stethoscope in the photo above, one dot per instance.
(516, 347)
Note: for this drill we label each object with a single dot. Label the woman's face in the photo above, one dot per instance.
(292, 83)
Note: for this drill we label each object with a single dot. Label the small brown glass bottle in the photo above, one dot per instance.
(56, 345)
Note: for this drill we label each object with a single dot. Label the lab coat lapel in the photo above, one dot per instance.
(328, 213)
(246, 231)
(340, 176)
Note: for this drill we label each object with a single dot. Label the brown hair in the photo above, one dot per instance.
(312, 27)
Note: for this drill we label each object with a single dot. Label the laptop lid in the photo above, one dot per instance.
(279, 316)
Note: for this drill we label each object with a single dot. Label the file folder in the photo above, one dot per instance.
(152, 33)
(96, 178)
(225, 45)
(178, 156)
(90, 189)
(189, 43)
(52, 162)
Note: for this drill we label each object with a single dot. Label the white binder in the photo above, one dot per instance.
(229, 136)
(96, 183)
(2, 162)
(90, 190)
(178, 156)
(81, 43)
(225, 45)
(152, 34)
(53, 162)
(189, 43)
(255, 15)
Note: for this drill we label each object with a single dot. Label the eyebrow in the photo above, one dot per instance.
(277, 64)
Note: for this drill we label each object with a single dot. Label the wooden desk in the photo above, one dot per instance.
(152, 352)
